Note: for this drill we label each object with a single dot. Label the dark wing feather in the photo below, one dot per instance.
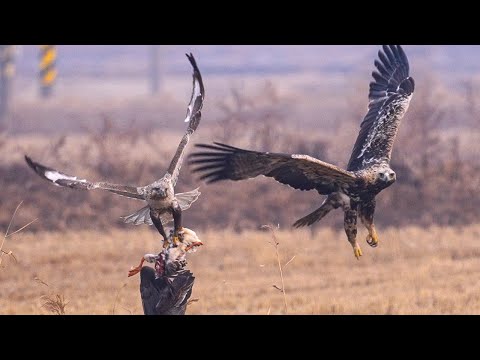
(60, 179)
(222, 162)
(165, 295)
(389, 96)
(193, 118)
(153, 291)
(182, 285)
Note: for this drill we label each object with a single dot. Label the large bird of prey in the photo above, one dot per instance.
(368, 171)
(163, 203)
(166, 290)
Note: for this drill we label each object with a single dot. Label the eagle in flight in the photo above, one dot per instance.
(368, 171)
(163, 204)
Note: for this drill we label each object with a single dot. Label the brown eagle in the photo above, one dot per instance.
(368, 171)
(163, 204)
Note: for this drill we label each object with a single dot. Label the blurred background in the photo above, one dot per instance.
(111, 112)
(116, 113)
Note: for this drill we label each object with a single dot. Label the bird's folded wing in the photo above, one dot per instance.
(222, 162)
(60, 179)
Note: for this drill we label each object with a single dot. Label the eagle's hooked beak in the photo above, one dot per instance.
(159, 192)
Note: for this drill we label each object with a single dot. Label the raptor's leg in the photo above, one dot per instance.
(367, 210)
(158, 224)
(177, 223)
(350, 224)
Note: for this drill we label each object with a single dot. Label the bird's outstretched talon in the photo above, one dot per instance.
(357, 252)
(136, 270)
(372, 240)
(192, 245)
(176, 240)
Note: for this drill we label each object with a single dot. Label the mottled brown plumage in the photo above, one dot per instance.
(368, 171)
(163, 205)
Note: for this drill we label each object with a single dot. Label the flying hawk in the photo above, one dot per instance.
(368, 171)
(163, 203)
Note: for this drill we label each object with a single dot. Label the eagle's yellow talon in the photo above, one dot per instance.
(357, 252)
(176, 240)
(372, 239)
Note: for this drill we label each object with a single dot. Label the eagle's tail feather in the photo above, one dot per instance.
(328, 205)
(188, 198)
(142, 216)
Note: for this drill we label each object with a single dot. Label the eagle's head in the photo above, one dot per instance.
(386, 176)
(159, 192)
(161, 189)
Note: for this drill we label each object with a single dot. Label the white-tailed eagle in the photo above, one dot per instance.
(368, 171)
(163, 204)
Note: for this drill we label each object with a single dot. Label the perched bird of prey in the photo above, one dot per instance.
(163, 203)
(167, 289)
(368, 171)
(173, 253)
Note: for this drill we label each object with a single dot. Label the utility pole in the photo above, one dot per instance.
(47, 68)
(154, 69)
(7, 70)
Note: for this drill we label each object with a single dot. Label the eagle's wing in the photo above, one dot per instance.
(389, 98)
(166, 295)
(152, 291)
(193, 118)
(60, 179)
(182, 288)
(301, 172)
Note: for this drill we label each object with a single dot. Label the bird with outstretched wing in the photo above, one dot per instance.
(163, 205)
(368, 171)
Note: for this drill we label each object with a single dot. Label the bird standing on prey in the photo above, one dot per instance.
(368, 171)
(163, 204)
(166, 289)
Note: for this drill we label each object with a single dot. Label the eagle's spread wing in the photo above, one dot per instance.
(193, 118)
(301, 172)
(60, 179)
(389, 98)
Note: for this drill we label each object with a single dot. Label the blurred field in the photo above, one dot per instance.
(413, 271)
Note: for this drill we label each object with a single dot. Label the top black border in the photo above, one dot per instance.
(241, 23)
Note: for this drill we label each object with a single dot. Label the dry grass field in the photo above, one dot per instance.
(414, 271)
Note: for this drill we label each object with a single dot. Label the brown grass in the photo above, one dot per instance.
(276, 244)
(8, 234)
(433, 270)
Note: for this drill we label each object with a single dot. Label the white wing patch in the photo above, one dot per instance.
(393, 111)
(55, 175)
(196, 93)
